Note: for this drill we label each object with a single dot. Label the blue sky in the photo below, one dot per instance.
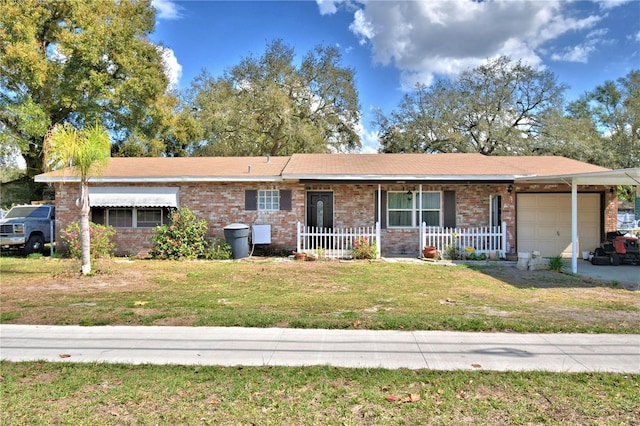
(391, 45)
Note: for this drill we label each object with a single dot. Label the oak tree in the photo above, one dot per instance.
(268, 105)
(494, 109)
(78, 62)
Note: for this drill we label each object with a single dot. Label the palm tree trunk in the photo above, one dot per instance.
(85, 235)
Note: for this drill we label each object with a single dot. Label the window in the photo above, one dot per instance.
(406, 211)
(268, 199)
(400, 209)
(148, 218)
(131, 217)
(430, 213)
(120, 218)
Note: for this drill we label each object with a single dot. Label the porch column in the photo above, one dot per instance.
(379, 220)
(574, 226)
(421, 233)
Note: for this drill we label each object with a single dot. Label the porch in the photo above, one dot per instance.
(337, 243)
(484, 239)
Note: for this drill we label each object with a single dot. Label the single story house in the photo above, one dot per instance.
(404, 198)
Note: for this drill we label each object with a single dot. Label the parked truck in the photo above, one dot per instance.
(28, 228)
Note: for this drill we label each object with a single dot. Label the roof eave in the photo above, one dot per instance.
(358, 178)
(162, 179)
(606, 177)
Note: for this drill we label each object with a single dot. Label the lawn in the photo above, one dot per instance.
(83, 394)
(282, 293)
(276, 292)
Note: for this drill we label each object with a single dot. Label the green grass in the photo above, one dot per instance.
(90, 394)
(374, 295)
(309, 294)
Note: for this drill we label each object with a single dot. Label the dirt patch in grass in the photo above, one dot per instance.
(108, 281)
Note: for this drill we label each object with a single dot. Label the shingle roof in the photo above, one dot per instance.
(182, 169)
(306, 166)
(329, 167)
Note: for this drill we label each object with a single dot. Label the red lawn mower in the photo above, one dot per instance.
(619, 248)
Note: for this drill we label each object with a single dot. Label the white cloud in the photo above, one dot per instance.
(578, 53)
(370, 144)
(167, 9)
(327, 7)
(361, 27)
(610, 4)
(172, 69)
(428, 38)
(369, 139)
(581, 52)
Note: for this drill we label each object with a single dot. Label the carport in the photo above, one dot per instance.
(607, 178)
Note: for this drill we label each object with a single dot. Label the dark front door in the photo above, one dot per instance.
(320, 209)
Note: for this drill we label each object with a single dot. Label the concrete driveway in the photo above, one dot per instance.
(626, 275)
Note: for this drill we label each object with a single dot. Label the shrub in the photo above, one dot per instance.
(556, 263)
(219, 249)
(362, 249)
(453, 250)
(184, 238)
(99, 235)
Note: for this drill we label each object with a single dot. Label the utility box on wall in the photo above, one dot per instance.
(261, 234)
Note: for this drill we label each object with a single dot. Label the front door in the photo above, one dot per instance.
(320, 209)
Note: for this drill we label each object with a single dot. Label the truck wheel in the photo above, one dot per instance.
(615, 259)
(35, 244)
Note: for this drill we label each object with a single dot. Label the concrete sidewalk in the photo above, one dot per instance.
(229, 346)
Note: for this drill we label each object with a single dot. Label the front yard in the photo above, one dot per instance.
(275, 292)
(281, 293)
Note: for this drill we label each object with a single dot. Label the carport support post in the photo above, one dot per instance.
(574, 226)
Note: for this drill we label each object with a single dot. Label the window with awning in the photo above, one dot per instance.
(133, 197)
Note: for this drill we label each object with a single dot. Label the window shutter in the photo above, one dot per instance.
(383, 208)
(285, 199)
(449, 213)
(251, 199)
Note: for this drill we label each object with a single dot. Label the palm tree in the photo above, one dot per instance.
(84, 151)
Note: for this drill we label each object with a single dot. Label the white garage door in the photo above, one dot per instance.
(544, 223)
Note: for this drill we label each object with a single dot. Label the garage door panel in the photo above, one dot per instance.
(527, 233)
(544, 223)
(547, 215)
(528, 203)
(546, 232)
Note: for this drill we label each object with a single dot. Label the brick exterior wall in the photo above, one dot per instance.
(220, 204)
(354, 205)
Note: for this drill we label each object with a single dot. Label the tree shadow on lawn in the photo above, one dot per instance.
(546, 278)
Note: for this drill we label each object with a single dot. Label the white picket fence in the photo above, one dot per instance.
(334, 243)
(484, 239)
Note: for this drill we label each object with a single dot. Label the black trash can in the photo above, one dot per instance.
(237, 235)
